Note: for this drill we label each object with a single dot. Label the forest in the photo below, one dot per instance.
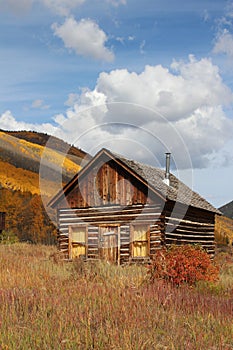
(20, 192)
(26, 218)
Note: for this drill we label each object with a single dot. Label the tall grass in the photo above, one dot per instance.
(46, 303)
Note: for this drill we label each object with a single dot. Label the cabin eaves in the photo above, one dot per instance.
(151, 176)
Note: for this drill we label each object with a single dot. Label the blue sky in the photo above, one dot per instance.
(165, 67)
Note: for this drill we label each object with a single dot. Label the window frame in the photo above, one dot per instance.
(79, 243)
(132, 240)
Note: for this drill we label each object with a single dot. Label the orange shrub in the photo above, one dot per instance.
(183, 264)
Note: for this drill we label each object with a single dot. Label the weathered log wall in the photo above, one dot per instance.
(195, 226)
(124, 217)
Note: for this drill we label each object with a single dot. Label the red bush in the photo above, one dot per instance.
(183, 264)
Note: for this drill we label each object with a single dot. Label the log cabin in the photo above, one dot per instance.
(2, 221)
(122, 211)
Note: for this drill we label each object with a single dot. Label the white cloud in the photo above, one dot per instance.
(62, 7)
(157, 109)
(117, 2)
(39, 104)
(142, 115)
(84, 37)
(72, 100)
(9, 122)
(176, 96)
(120, 39)
(224, 44)
(229, 9)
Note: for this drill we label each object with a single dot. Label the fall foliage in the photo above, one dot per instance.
(223, 230)
(20, 191)
(183, 264)
(26, 217)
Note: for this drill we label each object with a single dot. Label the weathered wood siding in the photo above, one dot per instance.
(107, 184)
(195, 227)
(124, 217)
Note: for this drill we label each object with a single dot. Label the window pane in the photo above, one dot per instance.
(140, 233)
(140, 249)
(77, 241)
(78, 234)
(140, 241)
(78, 250)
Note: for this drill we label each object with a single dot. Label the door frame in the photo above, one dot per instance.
(118, 240)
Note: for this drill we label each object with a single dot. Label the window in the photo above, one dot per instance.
(139, 239)
(77, 241)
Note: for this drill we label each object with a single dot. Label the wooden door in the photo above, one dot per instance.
(108, 246)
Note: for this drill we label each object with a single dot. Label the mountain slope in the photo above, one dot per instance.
(21, 160)
(227, 210)
(23, 182)
(54, 142)
(224, 225)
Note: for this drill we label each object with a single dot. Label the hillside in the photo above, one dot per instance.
(20, 191)
(227, 210)
(224, 225)
(54, 142)
(21, 159)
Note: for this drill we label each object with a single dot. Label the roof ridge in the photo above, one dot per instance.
(177, 191)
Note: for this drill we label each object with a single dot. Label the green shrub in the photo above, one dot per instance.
(183, 264)
(8, 237)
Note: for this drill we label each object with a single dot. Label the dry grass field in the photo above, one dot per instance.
(46, 303)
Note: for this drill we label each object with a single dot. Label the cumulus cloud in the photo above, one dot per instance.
(142, 115)
(9, 122)
(84, 37)
(224, 44)
(62, 7)
(175, 93)
(158, 109)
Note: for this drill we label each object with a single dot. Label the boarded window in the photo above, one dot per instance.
(77, 241)
(140, 240)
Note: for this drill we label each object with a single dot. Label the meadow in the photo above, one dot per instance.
(46, 303)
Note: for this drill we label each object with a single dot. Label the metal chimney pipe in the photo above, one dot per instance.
(167, 173)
